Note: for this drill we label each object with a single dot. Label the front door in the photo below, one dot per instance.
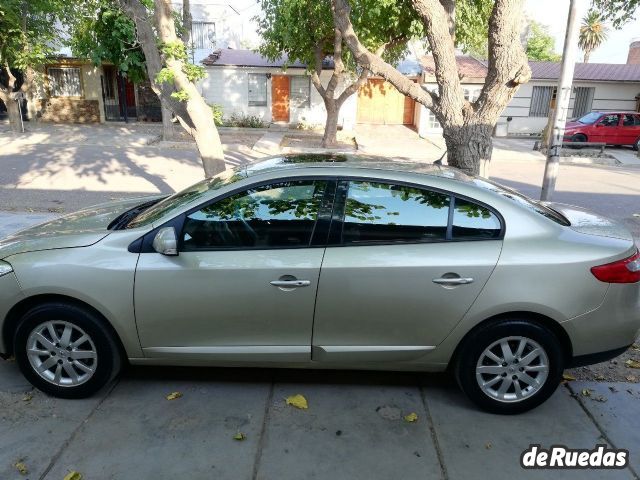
(606, 129)
(402, 274)
(243, 286)
(280, 98)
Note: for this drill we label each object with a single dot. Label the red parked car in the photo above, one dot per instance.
(612, 128)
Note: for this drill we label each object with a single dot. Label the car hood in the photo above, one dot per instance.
(590, 223)
(79, 229)
(573, 125)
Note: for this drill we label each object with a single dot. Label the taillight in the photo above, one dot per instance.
(622, 271)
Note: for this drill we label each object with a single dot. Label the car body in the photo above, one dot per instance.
(612, 128)
(323, 261)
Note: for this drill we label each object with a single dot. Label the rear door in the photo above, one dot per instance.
(629, 131)
(403, 265)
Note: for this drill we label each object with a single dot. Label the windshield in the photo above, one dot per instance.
(523, 200)
(186, 196)
(589, 118)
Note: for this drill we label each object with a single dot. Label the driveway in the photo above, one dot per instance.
(354, 427)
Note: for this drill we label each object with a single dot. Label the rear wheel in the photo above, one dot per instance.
(65, 351)
(636, 146)
(510, 366)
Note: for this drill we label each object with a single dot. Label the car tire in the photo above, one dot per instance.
(482, 368)
(579, 137)
(65, 350)
(636, 146)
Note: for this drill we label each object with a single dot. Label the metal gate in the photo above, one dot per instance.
(118, 96)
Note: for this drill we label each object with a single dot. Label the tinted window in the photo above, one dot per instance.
(473, 221)
(277, 215)
(381, 212)
(610, 120)
(629, 120)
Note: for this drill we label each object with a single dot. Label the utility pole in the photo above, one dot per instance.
(562, 101)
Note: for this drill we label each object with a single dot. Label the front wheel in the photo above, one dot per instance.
(65, 351)
(510, 366)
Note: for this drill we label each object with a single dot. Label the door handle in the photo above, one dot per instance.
(290, 283)
(453, 281)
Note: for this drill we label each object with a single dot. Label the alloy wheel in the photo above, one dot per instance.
(62, 353)
(512, 369)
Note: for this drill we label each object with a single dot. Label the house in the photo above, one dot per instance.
(279, 91)
(596, 86)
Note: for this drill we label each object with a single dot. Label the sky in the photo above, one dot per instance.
(554, 14)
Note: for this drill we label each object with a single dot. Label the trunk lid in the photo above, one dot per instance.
(590, 223)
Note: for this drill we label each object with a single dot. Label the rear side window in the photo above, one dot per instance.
(473, 222)
(387, 213)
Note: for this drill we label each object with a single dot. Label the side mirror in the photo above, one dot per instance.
(166, 241)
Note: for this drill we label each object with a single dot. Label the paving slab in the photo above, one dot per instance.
(348, 432)
(137, 433)
(616, 409)
(11, 380)
(33, 426)
(472, 441)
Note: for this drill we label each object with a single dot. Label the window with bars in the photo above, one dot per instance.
(583, 101)
(65, 81)
(300, 93)
(541, 100)
(257, 90)
(203, 34)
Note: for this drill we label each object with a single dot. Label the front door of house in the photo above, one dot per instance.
(280, 98)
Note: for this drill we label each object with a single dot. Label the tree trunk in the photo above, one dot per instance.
(15, 122)
(194, 113)
(168, 129)
(469, 147)
(329, 139)
(587, 54)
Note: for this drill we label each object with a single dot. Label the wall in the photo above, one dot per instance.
(228, 87)
(608, 96)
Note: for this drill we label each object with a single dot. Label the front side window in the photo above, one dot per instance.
(65, 82)
(474, 222)
(610, 120)
(300, 91)
(279, 215)
(382, 212)
(257, 90)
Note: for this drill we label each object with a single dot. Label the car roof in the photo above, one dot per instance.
(348, 160)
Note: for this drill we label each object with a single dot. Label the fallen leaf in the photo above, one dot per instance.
(631, 378)
(586, 392)
(27, 397)
(412, 417)
(298, 401)
(239, 436)
(600, 398)
(174, 395)
(632, 363)
(568, 377)
(73, 476)
(488, 446)
(635, 347)
(636, 214)
(21, 467)
(599, 377)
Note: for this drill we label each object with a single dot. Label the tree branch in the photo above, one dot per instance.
(315, 75)
(372, 62)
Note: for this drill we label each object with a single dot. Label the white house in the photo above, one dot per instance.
(244, 82)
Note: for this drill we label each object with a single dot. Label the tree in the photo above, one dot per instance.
(304, 31)
(28, 34)
(539, 44)
(467, 126)
(593, 32)
(173, 78)
(618, 12)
